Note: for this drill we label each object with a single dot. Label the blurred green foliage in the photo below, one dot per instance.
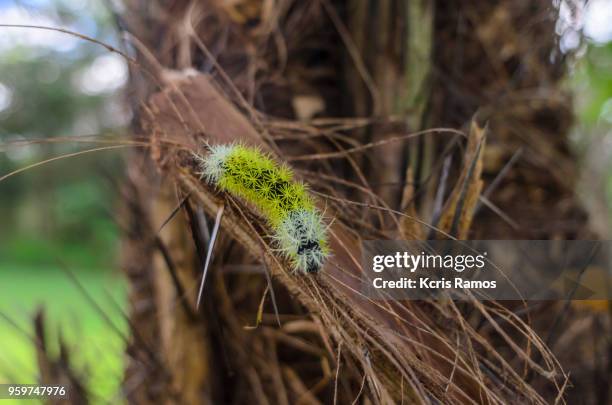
(592, 84)
(45, 102)
(60, 209)
(61, 213)
(96, 347)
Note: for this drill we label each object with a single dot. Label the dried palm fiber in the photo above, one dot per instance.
(389, 334)
(502, 61)
(390, 350)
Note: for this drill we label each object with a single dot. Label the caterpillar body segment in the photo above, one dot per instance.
(299, 230)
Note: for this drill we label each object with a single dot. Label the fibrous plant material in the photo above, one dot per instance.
(249, 76)
(385, 340)
(298, 226)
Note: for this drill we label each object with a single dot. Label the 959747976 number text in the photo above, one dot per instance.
(31, 391)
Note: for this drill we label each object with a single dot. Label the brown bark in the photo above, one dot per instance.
(451, 63)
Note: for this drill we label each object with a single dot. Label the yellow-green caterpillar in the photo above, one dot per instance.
(298, 226)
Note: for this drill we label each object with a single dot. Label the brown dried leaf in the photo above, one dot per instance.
(410, 229)
(458, 212)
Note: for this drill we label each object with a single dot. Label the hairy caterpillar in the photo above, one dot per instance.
(298, 226)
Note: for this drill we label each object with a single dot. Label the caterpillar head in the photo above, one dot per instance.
(302, 238)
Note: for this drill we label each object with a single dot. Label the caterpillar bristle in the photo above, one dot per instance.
(248, 173)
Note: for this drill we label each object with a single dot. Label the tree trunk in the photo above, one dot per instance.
(275, 74)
